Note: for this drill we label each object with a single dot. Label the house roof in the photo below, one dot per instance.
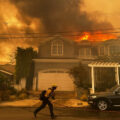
(111, 42)
(55, 38)
(7, 68)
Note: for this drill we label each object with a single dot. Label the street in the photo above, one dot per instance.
(7, 113)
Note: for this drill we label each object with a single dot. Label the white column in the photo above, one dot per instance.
(117, 75)
(93, 79)
(34, 83)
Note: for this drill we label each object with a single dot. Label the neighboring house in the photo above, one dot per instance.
(8, 71)
(57, 55)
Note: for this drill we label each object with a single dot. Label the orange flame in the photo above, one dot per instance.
(96, 36)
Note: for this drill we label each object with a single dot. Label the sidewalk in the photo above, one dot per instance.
(35, 103)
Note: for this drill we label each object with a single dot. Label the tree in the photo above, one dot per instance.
(24, 65)
(81, 76)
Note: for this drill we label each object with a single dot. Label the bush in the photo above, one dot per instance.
(81, 76)
(84, 97)
(5, 95)
(13, 91)
(5, 88)
(82, 93)
(22, 96)
(12, 97)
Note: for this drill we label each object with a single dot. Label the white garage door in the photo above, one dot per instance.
(55, 77)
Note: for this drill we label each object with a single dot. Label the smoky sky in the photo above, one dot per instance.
(43, 16)
(59, 15)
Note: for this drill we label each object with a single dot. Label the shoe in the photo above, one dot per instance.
(53, 117)
(34, 114)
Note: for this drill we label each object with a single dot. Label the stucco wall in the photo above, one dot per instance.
(44, 66)
(68, 50)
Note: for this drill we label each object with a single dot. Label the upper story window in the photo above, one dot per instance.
(85, 52)
(57, 48)
(114, 50)
(102, 50)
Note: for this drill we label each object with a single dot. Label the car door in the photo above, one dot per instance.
(116, 97)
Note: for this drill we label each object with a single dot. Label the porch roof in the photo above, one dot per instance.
(104, 64)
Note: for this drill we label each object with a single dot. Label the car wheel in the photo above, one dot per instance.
(102, 105)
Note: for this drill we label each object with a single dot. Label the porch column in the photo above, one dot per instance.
(34, 83)
(37, 82)
(93, 79)
(117, 75)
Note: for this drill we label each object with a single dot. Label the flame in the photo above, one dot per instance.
(96, 36)
(85, 36)
(9, 14)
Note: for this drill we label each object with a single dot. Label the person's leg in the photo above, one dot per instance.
(40, 108)
(50, 108)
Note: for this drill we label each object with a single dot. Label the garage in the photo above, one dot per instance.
(58, 77)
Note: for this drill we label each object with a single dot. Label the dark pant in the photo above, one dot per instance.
(44, 103)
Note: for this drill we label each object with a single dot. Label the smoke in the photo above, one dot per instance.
(58, 15)
(43, 16)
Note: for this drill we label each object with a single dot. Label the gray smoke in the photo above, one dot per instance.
(59, 15)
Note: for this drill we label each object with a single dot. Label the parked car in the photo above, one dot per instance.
(105, 100)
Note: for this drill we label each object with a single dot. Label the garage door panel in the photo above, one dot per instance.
(62, 80)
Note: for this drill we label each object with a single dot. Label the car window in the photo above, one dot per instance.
(113, 88)
(118, 89)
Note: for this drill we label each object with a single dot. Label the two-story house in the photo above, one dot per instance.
(58, 54)
(55, 58)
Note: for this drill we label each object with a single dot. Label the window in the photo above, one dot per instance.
(88, 51)
(81, 52)
(102, 51)
(115, 50)
(85, 52)
(57, 48)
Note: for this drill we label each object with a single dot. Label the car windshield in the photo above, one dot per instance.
(114, 88)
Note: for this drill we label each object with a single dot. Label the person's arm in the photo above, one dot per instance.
(53, 95)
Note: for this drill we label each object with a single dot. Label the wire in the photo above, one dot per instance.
(18, 37)
(67, 32)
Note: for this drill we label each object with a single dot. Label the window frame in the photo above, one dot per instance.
(85, 52)
(58, 48)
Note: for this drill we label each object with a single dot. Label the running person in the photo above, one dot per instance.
(44, 97)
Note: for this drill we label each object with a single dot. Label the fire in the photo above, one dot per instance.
(85, 36)
(9, 16)
(96, 36)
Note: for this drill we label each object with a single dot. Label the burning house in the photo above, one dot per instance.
(30, 22)
(57, 55)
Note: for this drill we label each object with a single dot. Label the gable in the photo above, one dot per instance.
(64, 46)
(59, 38)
